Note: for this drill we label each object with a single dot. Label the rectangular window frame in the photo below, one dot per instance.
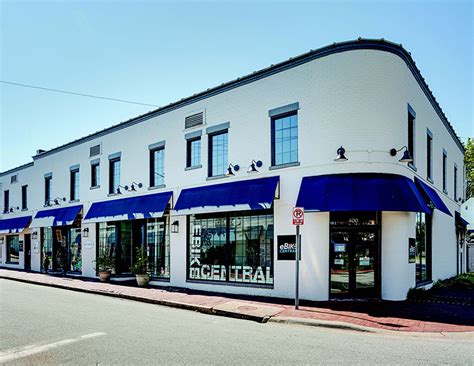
(411, 127)
(210, 154)
(112, 174)
(455, 182)
(6, 201)
(273, 119)
(95, 174)
(429, 155)
(9, 240)
(445, 171)
(74, 184)
(193, 155)
(153, 173)
(24, 197)
(48, 182)
(420, 281)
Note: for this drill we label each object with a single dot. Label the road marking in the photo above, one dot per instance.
(20, 352)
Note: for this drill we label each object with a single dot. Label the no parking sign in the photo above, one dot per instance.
(298, 216)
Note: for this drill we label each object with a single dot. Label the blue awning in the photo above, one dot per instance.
(254, 194)
(14, 225)
(140, 207)
(360, 192)
(60, 216)
(431, 196)
(459, 219)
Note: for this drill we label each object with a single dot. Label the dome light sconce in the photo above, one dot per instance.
(132, 187)
(85, 232)
(254, 165)
(406, 157)
(340, 154)
(118, 191)
(230, 172)
(34, 235)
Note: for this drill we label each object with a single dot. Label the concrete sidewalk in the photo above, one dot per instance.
(246, 309)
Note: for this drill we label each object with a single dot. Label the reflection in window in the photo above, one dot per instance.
(47, 248)
(157, 165)
(218, 161)
(231, 248)
(13, 249)
(423, 247)
(285, 139)
(158, 247)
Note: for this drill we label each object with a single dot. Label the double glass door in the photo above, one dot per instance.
(354, 261)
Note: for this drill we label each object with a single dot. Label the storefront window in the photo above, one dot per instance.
(13, 249)
(423, 247)
(75, 250)
(107, 239)
(47, 248)
(231, 248)
(158, 245)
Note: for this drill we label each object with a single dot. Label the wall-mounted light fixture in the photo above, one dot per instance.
(175, 227)
(34, 235)
(12, 209)
(55, 201)
(230, 172)
(1, 240)
(254, 165)
(118, 191)
(406, 157)
(133, 185)
(340, 154)
(85, 232)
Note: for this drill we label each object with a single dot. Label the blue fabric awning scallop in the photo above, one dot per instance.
(140, 207)
(431, 196)
(60, 216)
(254, 194)
(14, 225)
(360, 192)
(460, 220)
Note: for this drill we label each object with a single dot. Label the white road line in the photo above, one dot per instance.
(20, 352)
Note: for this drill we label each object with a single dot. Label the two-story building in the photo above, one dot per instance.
(350, 132)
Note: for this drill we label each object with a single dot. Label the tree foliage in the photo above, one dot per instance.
(469, 163)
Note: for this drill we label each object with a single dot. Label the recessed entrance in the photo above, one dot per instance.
(354, 254)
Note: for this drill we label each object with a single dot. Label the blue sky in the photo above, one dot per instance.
(157, 52)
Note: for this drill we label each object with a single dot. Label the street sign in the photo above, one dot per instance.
(298, 216)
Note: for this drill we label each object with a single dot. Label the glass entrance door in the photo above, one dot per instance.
(354, 258)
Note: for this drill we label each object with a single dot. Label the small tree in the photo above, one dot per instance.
(140, 266)
(469, 164)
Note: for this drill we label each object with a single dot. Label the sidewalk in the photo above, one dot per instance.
(361, 316)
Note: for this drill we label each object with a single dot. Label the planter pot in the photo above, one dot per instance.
(142, 279)
(104, 276)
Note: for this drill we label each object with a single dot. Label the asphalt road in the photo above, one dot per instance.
(47, 326)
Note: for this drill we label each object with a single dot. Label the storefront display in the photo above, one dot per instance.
(231, 248)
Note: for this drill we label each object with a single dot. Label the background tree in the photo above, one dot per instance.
(469, 163)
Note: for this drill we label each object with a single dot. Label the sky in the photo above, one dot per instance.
(157, 52)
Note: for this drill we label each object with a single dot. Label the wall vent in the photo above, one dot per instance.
(194, 120)
(94, 150)
(14, 178)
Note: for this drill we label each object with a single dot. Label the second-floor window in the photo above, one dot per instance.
(411, 134)
(157, 167)
(193, 152)
(429, 155)
(445, 164)
(114, 175)
(6, 201)
(48, 185)
(95, 175)
(218, 157)
(24, 197)
(74, 185)
(285, 139)
(455, 190)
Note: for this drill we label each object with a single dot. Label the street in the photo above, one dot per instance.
(42, 325)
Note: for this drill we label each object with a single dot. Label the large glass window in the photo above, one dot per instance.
(193, 152)
(107, 240)
(48, 186)
(423, 247)
(95, 175)
(13, 249)
(158, 247)
(218, 159)
(75, 250)
(285, 139)
(74, 191)
(231, 248)
(47, 248)
(6, 201)
(114, 175)
(157, 167)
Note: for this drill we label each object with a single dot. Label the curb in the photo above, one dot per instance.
(174, 304)
(324, 324)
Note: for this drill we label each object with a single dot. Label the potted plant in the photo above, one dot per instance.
(105, 264)
(140, 268)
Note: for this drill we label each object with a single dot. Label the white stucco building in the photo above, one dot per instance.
(375, 226)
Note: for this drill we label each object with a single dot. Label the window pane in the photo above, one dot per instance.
(158, 248)
(158, 167)
(219, 160)
(13, 249)
(285, 144)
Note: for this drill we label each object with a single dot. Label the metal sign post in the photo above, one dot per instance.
(298, 219)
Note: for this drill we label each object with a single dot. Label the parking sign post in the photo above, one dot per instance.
(298, 219)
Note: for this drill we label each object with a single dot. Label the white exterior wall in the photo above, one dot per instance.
(357, 99)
